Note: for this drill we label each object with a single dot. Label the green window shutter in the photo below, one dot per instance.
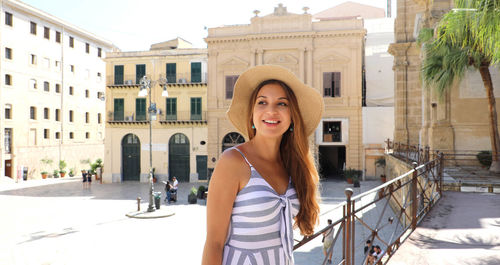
(195, 72)
(118, 74)
(140, 109)
(118, 109)
(195, 108)
(171, 73)
(171, 109)
(140, 71)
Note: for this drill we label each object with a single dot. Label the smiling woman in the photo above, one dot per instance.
(260, 187)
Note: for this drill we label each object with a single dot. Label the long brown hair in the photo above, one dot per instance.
(297, 160)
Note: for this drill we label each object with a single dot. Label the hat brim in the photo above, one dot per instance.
(309, 100)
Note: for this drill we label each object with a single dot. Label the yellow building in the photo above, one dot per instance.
(325, 54)
(179, 128)
(52, 81)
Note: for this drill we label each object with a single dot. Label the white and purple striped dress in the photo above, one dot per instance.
(260, 231)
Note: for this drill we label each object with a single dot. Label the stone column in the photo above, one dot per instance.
(301, 64)
(260, 56)
(309, 70)
(252, 57)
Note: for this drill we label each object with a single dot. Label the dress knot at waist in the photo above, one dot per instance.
(286, 231)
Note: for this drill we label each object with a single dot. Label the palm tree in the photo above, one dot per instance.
(466, 38)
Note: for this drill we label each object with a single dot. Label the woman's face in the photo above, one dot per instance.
(271, 111)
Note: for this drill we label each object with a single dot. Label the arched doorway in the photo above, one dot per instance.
(232, 139)
(131, 157)
(178, 157)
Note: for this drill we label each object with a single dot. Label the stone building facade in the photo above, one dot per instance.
(179, 129)
(457, 122)
(52, 84)
(325, 54)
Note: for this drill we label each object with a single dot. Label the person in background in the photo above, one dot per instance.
(89, 179)
(328, 241)
(84, 177)
(175, 184)
(168, 187)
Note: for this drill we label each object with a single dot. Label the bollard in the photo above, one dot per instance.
(138, 204)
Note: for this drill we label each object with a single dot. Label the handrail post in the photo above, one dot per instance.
(440, 173)
(344, 238)
(348, 192)
(414, 197)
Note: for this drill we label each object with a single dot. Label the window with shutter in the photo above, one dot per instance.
(171, 73)
(118, 74)
(8, 19)
(195, 108)
(195, 72)
(171, 109)
(140, 72)
(33, 28)
(118, 109)
(230, 81)
(331, 84)
(140, 109)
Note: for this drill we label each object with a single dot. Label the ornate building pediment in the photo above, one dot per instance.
(334, 58)
(233, 61)
(282, 59)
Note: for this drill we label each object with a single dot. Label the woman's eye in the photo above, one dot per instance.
(282, 104)
(261, 103)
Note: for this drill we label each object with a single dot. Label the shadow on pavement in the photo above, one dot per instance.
(111, 191)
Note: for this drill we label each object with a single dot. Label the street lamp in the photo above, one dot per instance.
(146, 84)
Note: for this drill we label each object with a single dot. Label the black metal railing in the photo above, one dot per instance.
(178, 78)
(184, 116)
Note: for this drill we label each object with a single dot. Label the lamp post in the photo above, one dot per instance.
(146, 84)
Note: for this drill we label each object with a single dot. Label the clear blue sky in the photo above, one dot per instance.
(134, 25)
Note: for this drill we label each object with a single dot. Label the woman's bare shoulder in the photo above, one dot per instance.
(231, 168)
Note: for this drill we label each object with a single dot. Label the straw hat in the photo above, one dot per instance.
(309, 100)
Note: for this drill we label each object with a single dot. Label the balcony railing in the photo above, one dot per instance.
(180, 116)
(185, 78)
(179, 78)
(184, 116)
(120, 116)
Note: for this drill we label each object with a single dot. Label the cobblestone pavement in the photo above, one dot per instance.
(57, 221)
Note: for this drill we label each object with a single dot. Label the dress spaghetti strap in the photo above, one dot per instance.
(244, 157)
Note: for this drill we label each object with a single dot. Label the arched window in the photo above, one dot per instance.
(231, 139)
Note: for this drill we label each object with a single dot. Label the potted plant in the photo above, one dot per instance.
(72, 172)
(55, 174)
(381, 163)
(355, 179)
(201, 192)
(349, 175)
(485, 158)
(192, 196)
(47, 162)
(95, 167)
(62, 167)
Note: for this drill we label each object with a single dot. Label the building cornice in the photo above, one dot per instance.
(68, 27)
(202, 52)
(290, 35)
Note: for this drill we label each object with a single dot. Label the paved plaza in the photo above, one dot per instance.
(56, 221)
(463, 228)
